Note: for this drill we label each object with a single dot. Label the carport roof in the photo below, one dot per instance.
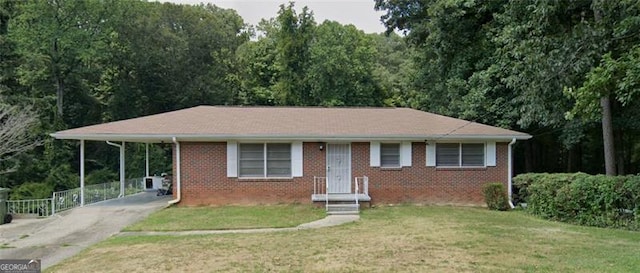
(211, 123)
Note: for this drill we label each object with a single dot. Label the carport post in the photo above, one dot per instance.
(146, 161)
(82, 172)
(122, 170)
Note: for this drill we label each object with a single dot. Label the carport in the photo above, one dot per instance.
(117, 134)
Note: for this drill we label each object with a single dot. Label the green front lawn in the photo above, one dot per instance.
(387, 239)
(228, 217)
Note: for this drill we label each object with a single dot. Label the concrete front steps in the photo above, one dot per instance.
(341, 203)
(343, 209)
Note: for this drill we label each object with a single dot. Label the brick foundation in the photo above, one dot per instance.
(205, 182)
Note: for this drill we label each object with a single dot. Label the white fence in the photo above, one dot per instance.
(33, 207)
(319, 185)
(65, 200)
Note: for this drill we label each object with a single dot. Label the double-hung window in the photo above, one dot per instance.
(460, 154)
(264, 160)
(390, 155)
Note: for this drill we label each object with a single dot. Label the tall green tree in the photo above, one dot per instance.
(87, 62)
(294, 37)
(52, 42)
(395, 69)
(613, 81)
(452, 41)
(295, 62)
(53, 38)
(8, 56)
(507, 62)
(257, 68)
(171, 57)
(341, 65)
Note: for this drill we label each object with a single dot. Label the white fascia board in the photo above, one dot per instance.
(499, 138)
(126, 138)
(310, 138)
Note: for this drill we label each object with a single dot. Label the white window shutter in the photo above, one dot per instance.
(374, 155)
(431, 154)
(405, 154)
(296, 159)
(232, 159)
(491, 154)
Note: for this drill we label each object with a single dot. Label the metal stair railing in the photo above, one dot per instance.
(357, 190)
(326, 195)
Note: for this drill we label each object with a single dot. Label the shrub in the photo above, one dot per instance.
(62, 177)
(591, 200)
(31, 190)
(521, 184)
(101, 176)
(496, 196)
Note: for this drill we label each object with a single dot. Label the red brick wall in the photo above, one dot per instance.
(205, 182)
(422, 184)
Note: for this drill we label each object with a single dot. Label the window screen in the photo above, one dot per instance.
(448, 154)
(252, 158)
(278, 159)
(472, 154)
(390, 155)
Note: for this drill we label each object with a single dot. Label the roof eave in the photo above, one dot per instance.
(154, 138)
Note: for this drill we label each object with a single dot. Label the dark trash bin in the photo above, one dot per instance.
(5, 217)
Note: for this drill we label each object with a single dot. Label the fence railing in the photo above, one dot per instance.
(319, 185)
(362, 185)
(134, 185)
(64, 200)
(33, 207)
(101, 192)
(68, 199)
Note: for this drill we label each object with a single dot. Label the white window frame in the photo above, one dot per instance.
(375, 154)
(459, 165)
(265, 161)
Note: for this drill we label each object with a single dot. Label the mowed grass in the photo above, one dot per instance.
(228, 217)
(386, 239)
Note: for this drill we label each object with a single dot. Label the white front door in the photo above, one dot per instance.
(339, 168)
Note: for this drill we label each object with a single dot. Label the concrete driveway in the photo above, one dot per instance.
(61, 236)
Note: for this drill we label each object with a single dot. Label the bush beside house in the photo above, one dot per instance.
(495, 196)
(579, 198)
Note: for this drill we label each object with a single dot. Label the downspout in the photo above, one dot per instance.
(510, 170)
(121, 146)
(177, 175)
(81, 173)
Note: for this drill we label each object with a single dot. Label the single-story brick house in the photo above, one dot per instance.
(235, 155)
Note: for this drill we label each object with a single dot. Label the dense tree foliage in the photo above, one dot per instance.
(87, 62)
(544, 67)
(297, 62)
(507, 63)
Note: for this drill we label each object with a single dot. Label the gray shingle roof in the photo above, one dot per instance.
(210, 123)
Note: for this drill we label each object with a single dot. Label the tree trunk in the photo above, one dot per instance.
(59, 95)
(605, 104)
(607, 137)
